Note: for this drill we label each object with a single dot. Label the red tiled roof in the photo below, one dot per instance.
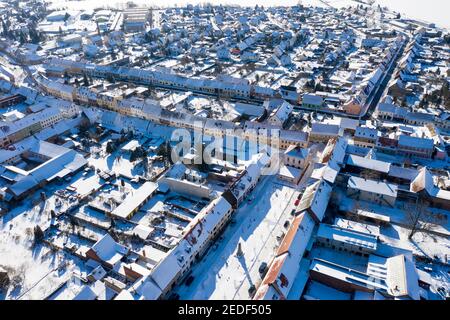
(289, 237)
(274, 269)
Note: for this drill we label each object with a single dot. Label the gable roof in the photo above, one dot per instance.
(108, 250)
(366, 163)
(372, 186)
(408, 141)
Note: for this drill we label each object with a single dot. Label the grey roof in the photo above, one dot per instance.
(365, 132)
(322, 128)
(312, 99)
(409, 141)
(403, 173)
(366, 163)
(371, 186)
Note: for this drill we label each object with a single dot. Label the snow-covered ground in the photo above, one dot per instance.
(223, 275)
(421, 244)
(435, 245)
(34, 267)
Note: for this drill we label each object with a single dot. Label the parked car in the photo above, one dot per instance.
(263, 268)
(252, 290)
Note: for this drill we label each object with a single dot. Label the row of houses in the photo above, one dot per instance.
(392, 112)
(365, 137)
(354, 101)
(263, 133)
(222, 87)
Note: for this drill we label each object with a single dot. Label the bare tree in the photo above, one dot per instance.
(419, 218)
(218, 68)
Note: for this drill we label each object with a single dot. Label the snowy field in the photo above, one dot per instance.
(223, 275)
(432, 10)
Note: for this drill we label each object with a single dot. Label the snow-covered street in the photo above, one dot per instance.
(258, 226)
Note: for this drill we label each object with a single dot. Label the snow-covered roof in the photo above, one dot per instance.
(345, 274)
(415, 142)
(62, 161)
(148, 289)
(124, 295)
(250, 176)
(419, 116)
(98, 273)
(324, 172)
(403, 173)
(364, 132)
(296, 152)
(135, 200)
(425, 181)
(289, 172)
(142, 231)
(108, 250)
(8, 128)
(312, 99)
(349, 236)
(196, 235)
(249, 109)
(294, 136)
(357, 226)
(165, 272)
(283, 111)
(371, 186)
(334, 152)
(375, 165)
(388, 108)
(86, 293)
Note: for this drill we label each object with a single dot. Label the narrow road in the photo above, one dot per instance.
(382, 87)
